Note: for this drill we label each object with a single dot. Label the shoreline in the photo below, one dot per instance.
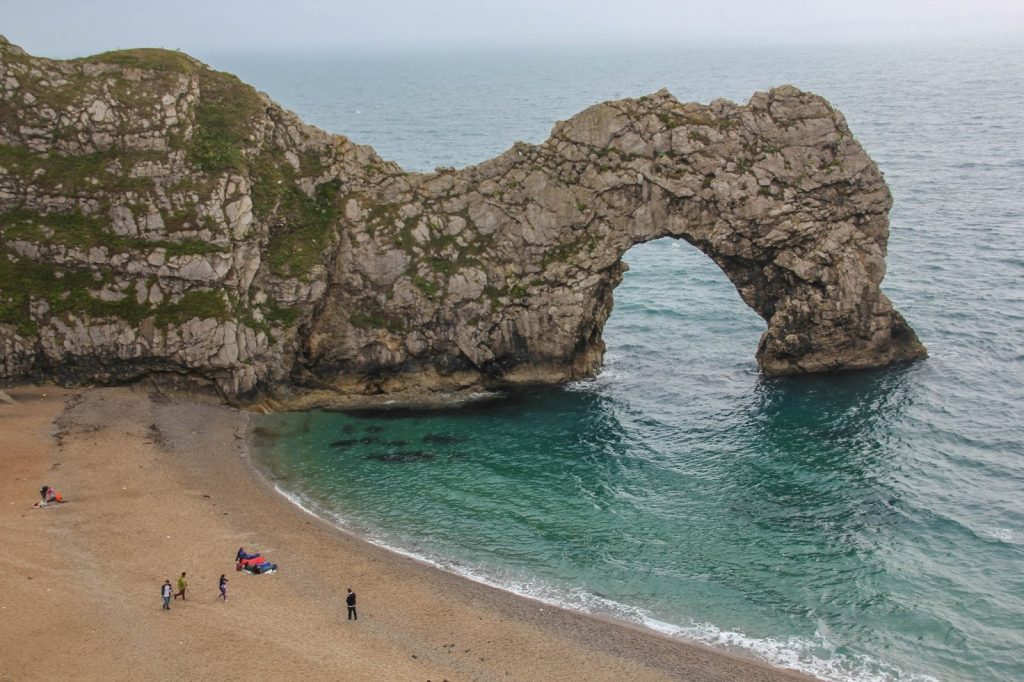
(671, 632)
(158, 485)
(296, 501)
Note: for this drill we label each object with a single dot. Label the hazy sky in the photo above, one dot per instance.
(61, 28)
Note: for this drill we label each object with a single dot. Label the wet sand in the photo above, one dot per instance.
(156, 486)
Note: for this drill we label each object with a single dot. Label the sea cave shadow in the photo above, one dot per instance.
(824, 451)
(820, 451)
(505, 403)
(557, 424)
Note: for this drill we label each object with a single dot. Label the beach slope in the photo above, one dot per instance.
(157, 486)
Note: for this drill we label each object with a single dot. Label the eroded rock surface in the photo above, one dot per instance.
(158, 218)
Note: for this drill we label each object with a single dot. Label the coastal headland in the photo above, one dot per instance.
(156, 486)
(163, 220)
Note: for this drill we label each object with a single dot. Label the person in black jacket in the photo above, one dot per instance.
(350, 599)
(165, 593)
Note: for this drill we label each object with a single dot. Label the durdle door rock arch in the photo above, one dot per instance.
(161, 219)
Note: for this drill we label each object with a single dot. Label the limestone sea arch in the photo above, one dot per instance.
(163, 219)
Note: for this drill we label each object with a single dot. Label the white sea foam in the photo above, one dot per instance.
(483, 395)
(1003, 535)
(815, 656)
(296, 500)
(609, 374)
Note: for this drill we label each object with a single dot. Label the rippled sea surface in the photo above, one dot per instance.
(862, 526)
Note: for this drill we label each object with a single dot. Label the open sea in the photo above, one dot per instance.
(860, 526)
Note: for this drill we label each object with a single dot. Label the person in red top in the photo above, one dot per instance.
(49, 495)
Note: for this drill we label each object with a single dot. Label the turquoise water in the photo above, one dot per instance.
(858, 526)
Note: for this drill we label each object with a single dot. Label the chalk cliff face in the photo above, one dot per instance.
(158, 218)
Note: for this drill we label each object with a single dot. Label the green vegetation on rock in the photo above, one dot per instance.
(300, 226)
(223, 123)
(84, 232)
(278, 314)
(65, 291)
(564, 252)
(201, 303)
(155, 59)
(106, 171)
(72, 291)
(374, 317)
(426, 286)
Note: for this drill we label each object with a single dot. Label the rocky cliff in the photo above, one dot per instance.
(161, 219)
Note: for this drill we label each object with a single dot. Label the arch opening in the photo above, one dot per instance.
(676, 308)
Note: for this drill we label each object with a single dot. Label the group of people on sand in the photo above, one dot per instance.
(253, 562)
(49, 496)
(250, 562)
(167, 592)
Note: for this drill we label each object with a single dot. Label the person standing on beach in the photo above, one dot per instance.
(182, 584)
(223, 586)
(350, 599)
(165, 592)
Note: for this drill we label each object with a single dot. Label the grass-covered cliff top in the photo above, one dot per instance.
(223, 114)
(152, 58)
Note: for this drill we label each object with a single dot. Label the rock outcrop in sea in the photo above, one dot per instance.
(161, 219)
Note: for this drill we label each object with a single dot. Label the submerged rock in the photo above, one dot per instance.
(442, 439)
(414, 456)
(162, 220)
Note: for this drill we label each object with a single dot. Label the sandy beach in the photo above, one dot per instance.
(156, 486)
